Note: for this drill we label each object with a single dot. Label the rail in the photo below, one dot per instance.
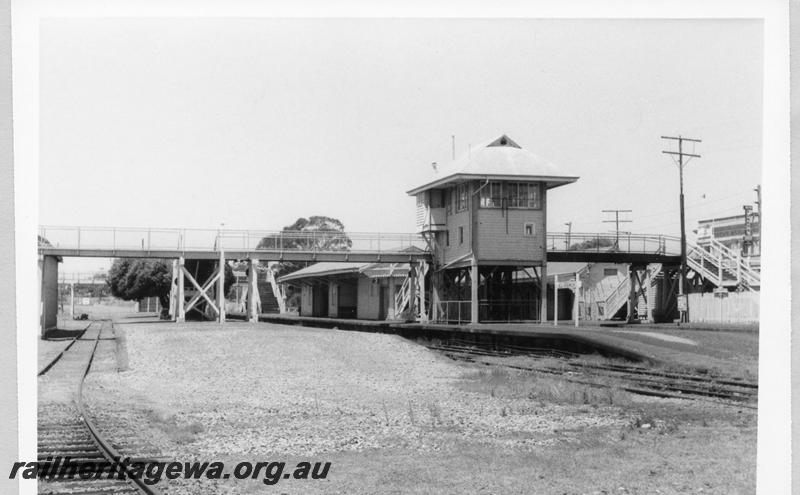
(109, 452)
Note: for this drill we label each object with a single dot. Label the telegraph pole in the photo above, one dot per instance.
(617, 221)
(682, 281)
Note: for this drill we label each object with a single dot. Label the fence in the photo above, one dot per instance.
(508, 311)
(455, 311)
(736, 307)
(489, 311)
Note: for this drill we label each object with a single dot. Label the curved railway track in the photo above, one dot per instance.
(67, 431)
(631, 378)
(58, 356)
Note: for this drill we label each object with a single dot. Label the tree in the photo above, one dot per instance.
(315, 233)
(132, 280)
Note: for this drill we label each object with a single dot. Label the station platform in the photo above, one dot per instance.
(727, 349)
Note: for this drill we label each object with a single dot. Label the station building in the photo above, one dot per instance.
(370, 291)
(378, 291)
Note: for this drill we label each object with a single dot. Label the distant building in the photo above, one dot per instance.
(739, 233)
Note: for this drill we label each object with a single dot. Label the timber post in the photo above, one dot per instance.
(474, 282)
(181, 297)
(555, 299)
(252, 291)
(221, 288)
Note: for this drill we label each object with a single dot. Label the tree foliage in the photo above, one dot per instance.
(315, 233)
(596, 243)
(132, 280)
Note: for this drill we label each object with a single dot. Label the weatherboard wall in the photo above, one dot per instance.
(501, 235)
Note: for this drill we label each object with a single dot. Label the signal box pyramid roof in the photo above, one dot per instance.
(501, 159)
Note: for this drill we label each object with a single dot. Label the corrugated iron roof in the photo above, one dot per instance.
(371, 270)
(500, 159)
(384, 270)
(322, 270)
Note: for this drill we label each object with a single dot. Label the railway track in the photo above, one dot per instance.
(65, 430)
(55, 359)
(632, 378)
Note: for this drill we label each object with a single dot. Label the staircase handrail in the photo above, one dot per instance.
(620, 293)
(276, 291)
(401, 298)
(744, 267)
(737, 268)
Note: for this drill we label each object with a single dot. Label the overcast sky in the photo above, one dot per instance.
(255, 122)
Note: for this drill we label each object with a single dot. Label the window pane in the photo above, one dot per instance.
(462, 197)
(488, 195)
(447, 197)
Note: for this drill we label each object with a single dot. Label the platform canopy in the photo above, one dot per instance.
(370, 270)
(500, 159)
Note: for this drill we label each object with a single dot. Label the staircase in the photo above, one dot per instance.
(722, 266)
(270, 295)
(619, 296)
(403, 296)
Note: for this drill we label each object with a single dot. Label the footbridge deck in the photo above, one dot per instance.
(326, 246)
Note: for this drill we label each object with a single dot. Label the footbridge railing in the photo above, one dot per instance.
(622, 243)
(204, 240)
(115, 239)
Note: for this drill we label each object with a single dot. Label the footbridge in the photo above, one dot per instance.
(647, 255)
(322, 246)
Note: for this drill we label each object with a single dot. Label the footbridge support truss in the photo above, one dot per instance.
(209, 290)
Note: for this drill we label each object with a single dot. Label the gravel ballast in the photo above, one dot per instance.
(203, 391)
(267, 388)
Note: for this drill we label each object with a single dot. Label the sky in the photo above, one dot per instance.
(252, 123)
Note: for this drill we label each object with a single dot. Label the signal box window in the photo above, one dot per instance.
(530, 230)
(461, 235)
(461, 197)
(525, 195)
